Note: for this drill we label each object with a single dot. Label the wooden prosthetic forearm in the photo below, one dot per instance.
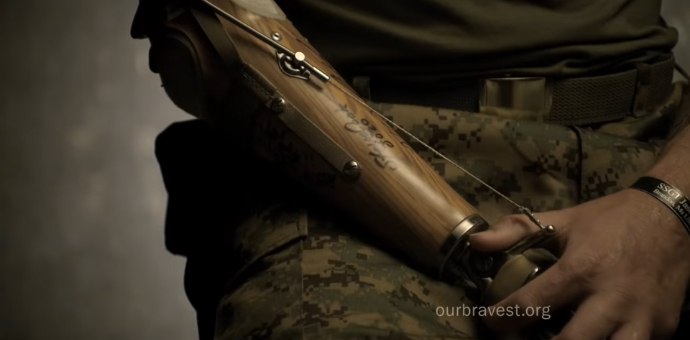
(322, 135)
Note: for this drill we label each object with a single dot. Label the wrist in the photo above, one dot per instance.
(653, 212)
(672, 172)
(664, 205)
(660, 224)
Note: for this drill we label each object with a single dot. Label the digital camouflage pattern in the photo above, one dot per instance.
(332, 285)
(295, 272)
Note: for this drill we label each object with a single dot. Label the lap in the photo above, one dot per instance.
(330, 284)
(295, 273)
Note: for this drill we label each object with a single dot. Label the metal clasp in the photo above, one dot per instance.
(293, 66)
(525, 94)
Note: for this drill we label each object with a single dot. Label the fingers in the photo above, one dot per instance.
(595, 319)
(634, 330)
(553, 290)
(503, 234)
(511, 229)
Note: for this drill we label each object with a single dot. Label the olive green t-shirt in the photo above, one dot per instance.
(446, 40)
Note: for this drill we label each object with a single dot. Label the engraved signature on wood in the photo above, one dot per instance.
(371, 136)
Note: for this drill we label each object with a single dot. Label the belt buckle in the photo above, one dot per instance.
(523, 94)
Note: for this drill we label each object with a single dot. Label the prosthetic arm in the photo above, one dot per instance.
(242, 65)
(290, 107)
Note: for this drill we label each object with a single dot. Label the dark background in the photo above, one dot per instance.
(82, 203)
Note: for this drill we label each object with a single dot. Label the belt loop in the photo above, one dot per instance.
(362, 85)
(641, 100)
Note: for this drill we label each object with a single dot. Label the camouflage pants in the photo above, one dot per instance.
(299, 273)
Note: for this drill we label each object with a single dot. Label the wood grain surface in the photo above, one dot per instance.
(398, 196)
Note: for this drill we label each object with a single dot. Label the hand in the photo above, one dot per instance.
(624, 262)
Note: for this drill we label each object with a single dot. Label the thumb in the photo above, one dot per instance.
(511, 229)
(503, 234)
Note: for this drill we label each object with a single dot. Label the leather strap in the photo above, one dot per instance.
(573, 101)
(220, 39)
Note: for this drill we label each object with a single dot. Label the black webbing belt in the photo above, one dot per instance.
(573, 101)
